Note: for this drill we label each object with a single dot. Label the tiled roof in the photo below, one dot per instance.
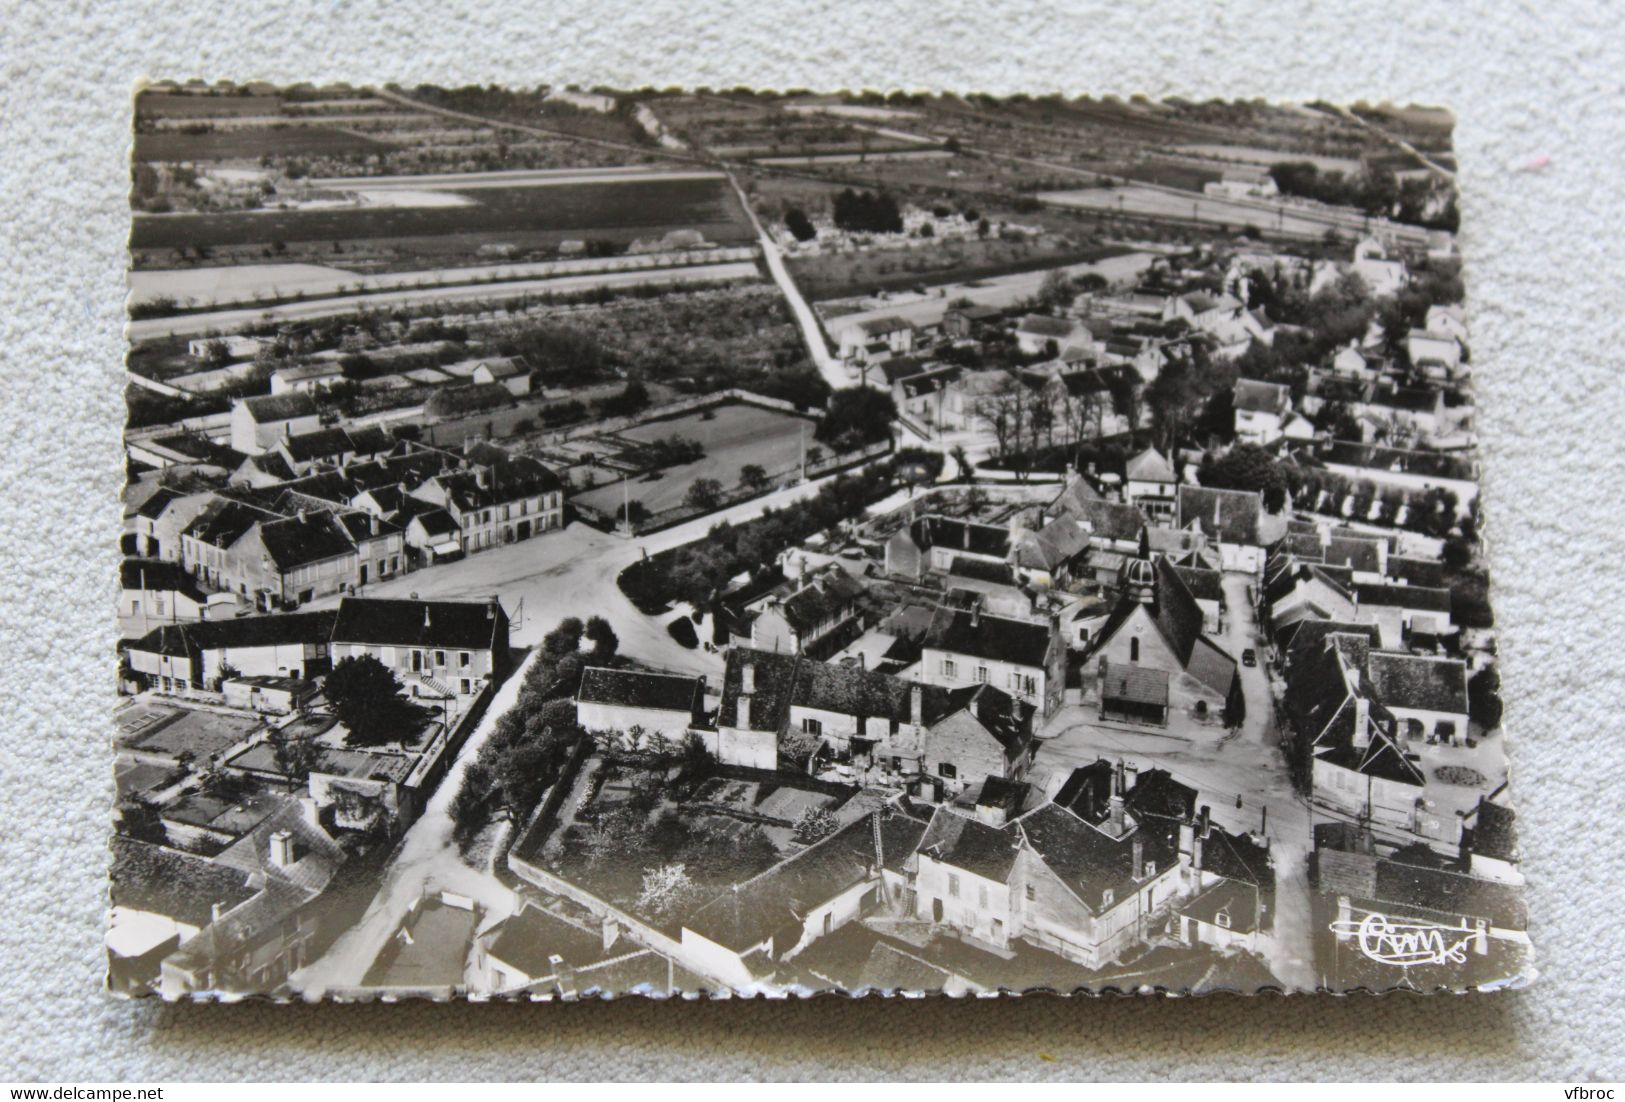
(1149, 465)
(994, 637)
(464, 625)
(247, 631)
(821, 599)
(748, 914)
(181, 886)
(1088, 860)
(307, 538)
(1135, 685)
(638, 689)
(1422, 683)
(1044, 326)
(281, 407)
(971, 845)
(1228, 515)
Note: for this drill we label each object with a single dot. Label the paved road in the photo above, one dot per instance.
(833, 371)
(1248, 763)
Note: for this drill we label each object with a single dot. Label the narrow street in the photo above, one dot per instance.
(812, 335)
(1242, 777)
(426, 861)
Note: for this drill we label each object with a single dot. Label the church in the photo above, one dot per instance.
(1152, 656)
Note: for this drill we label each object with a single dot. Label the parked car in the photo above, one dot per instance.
(1249, 657)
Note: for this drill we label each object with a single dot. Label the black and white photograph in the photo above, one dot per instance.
(587, 542)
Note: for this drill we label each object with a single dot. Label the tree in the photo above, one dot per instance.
(216, 353)
(1484, 698)
(753, 476)
(859, 415)
(140, 819)
(365, 695)
(1056, 291)
(962, 462)
(815, 824)
(632, 512)
(563, 640)
(604, 640)
(667, 890)
(1248, 467)
(704, 493)
(295, 754)
(799, 225)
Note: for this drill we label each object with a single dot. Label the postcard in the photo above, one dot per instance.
(584, 543)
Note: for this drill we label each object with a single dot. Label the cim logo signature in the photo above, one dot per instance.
(1406, 944)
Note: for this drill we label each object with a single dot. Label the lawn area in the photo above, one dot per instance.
(737, 434)
(518, 215)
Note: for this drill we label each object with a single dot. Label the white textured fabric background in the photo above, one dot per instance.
(1544, 276)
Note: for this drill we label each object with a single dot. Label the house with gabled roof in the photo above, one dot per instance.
(1263, 413)
(180, 658)
(817, 617)
(258, 423)
(1233, 521)
(854, 725)
(290, 858)
(1086, 891)
(741, 935)
(438, 648)
(660, 706)
(1148, 484)
(1348, 746)
(1026, 659)
(496, 498)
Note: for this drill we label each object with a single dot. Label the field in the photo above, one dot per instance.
(251, 145)
(520, 216)
(823, 278)
(737, 435)
(182, 105)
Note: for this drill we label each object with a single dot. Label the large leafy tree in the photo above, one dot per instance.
(365, 695)
(859, 414)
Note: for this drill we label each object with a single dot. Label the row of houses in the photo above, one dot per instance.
(450, 648)
(332, 518)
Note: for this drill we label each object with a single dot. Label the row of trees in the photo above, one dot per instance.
(1418, 201)
(695, 571)
(529, 744)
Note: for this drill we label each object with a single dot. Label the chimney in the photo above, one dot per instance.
(281, 849)
(310, 812)
(1196, 848)
(375, 524)
(564, 977)
(976, 614)
(1137, 849)
(747, 678)
(1362, 723)
(611, 933)
(965, 535)
(863, 663)
(916, 705)
(1202, 820)
(1218, 511)
(1114, 812)
(491, 607)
